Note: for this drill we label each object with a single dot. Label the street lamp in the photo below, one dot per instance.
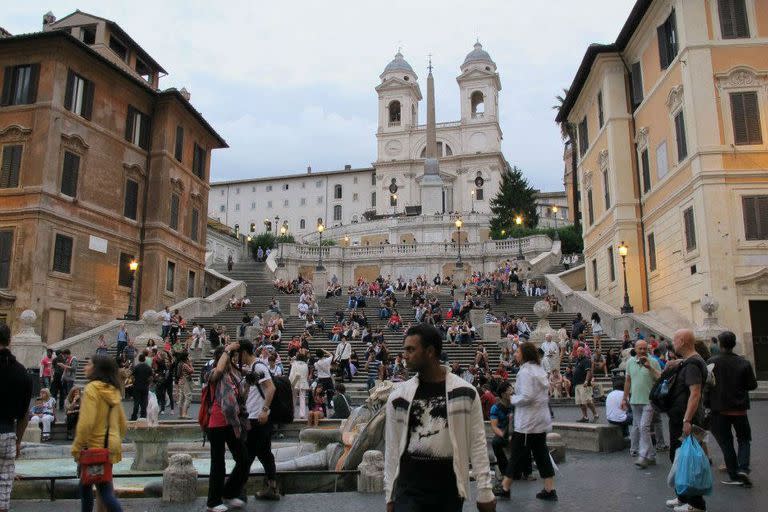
(519, 223)
(283, 231)
(554, 210)
(346, 240)
(458, 223)
(472, 193)
(503, 233)
(320, 229)
(133, 266)
(623, 251)
(394, 204)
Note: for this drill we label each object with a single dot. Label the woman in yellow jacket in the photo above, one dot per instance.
(101, 402)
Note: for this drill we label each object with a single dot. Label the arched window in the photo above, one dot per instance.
(442, 150)
(354, 219)
(337, 212)
(302, 224)
(394, 113)
(477, 101)
(337, 192)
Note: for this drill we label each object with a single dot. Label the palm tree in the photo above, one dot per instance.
(568, 134)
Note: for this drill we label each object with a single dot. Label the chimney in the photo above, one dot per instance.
(185, 93)
(309, 169)
(347, 167)
(48, 18)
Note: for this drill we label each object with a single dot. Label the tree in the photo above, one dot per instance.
(515, 197)
(568, 134)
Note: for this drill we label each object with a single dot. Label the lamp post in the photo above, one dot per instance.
(554, 210)
(472, 194)
(346, 240)
(394, 204)
(320, 229)
(519, 223)
(283, 231)
(131, 314)
(623, 251)
(459, 223)
(503, 234)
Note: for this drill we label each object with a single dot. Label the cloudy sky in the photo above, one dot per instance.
(291, 83)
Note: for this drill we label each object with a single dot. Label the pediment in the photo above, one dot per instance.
(14, 132)
(395, 84)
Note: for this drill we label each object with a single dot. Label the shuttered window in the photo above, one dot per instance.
(78, 96)
(595, 282)
(645, 167)
(179, 150)
(682, 145)
(337, 212)
(755, 217)
(636, 79)
(590, 208)
(689, 224)
(11, 166)
(62, 254)
(652, 252)
(198, 162)
(20, 84)
(131, 199)
(173, 222)
(137, 125)
(583, 137)
(667, 36)
(606, 190)
(733, 19)
(745, 114)
(191, 284)
(6, 246)
(193, 228)
(69, 174)
(124, 276)
(170, 276)
(600, 115)
(611, 264)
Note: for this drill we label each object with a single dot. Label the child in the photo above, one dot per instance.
(316, 414)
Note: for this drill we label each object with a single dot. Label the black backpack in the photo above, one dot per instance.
(282, 408)
(661, 395)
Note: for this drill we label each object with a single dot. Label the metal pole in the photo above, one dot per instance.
(459, 263)
(320, 254)
(557, 235)
(281, 263)
(131, 315)
(627, 307)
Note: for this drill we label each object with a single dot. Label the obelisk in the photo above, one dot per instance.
(431, 182)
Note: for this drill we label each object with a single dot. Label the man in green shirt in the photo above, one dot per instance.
(642, 373)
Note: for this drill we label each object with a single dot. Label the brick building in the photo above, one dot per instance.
(99, 167)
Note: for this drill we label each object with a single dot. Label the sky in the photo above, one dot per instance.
(290, 84)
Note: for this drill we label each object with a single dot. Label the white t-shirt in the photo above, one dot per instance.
(550, 348)
(255, 402)
(343, 350)
(323, 367)
(166, 317)
(613, 410)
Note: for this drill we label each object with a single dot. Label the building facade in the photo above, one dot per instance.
(553, 209)
(672, 146)
(99, 168)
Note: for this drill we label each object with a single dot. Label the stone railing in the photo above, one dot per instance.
(446, 124)
(546, 260)
(83, 344)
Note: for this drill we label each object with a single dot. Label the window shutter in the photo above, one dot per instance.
(174, 220)
(738, 117)
(88, 100)
(740, 18)
(749, 207)
(646, 166)
(129, 123)
(733, 19)
(179, 150)
(661, 34)
(68, 91)
(145, 127)
(762, 217)
(7, 82)
(194, 224)
(34, 79)
(131, 199)
(69, 174)
(9, 172)
(652, 251)
(746, 118)
(590, 207)
(672, 36)
(690, 229)
(6, 239)
(637, 84)
(62, 254)
(682, 146)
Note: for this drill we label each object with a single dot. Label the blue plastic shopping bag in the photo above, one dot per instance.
(693, 476)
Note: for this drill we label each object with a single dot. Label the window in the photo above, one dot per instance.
(20, 84)
(746, 118)
(690, 229)
(337, 212)
(11, 167)
(682, 146)
(337, 192)
(78, 96)
(755, 217)
(662, 166)
(590, 208)
(137, 128)
(652, 252)
(354, 180)
(193, 224)
(173, 222)
(394, 113)
(355, 196)
(303, 201)
(237, 190)
(302, 224)
(636, 81)
(131, 199)
(319, 199)
(170, 276)
(285, 203)
(198, 162)
(611, 264)
(6, 245)
(222, 208)
(318, 183)
(600, 117)
(179, 150)
(269, 188)
(62, 254)
(253, 189)
(583, 137)
(269, 204)
(733, 19)
(88, 35)
(69, 174)
(124, 274)
(373, 199)
(479, 194)
(373, 179)
(303, 185)
(285, 186)
(237, 207)
(606, 190)
(667, 35)
(645, 167)
(477, 101)
(594, 275)
(222, 192)
(144, 71)
(119, 48)
(191, 284)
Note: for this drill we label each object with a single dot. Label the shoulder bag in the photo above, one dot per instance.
(95, 465)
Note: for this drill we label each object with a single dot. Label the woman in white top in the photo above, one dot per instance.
(532, 422)
(597, 330)
(299, 383)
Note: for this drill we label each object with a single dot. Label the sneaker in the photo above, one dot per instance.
(270, 493)
(743, 476)
(218, 508)
(686, 508)
(547, 495)
(674, 502)
(732, 481)
(642, 463)
(583, 420)
(501, 493)
(235, 503)
(634, 454)
(662, 448)
(596, 418)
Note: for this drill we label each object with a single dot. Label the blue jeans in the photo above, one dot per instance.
(106, 493)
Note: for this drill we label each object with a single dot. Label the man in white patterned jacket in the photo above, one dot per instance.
(434, 431)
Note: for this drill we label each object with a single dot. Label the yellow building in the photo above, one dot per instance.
(672, 126)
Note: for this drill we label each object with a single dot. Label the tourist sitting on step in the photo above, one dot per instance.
(395, 323)
(42, 413)
(559, 386)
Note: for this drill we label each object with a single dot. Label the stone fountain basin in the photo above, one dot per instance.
(151, 442)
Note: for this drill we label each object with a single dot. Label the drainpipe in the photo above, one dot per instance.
(646, 294)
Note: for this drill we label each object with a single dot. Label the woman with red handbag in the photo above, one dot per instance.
(100, 431)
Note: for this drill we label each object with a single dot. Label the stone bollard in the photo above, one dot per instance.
(556, 447)
(371, 477)
(180, 479)
(27, 345)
